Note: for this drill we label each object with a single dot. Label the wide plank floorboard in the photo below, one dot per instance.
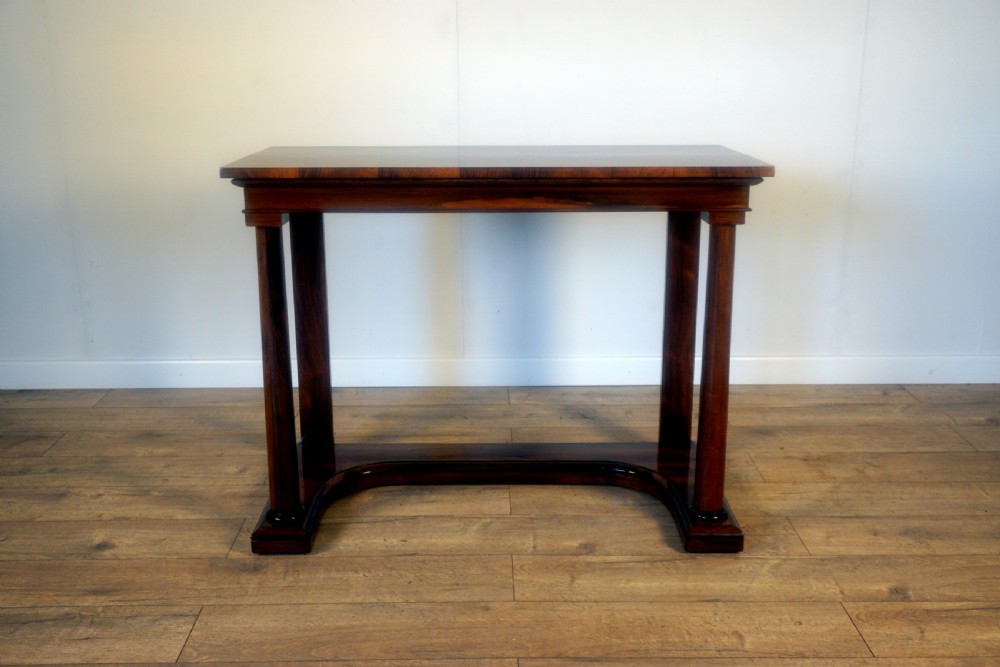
(525, 629)
(256, 582)
(82, 634)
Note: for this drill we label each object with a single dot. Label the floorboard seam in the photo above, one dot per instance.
(857, 629)
(190, 632)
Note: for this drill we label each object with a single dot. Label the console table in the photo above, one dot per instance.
(297, 185)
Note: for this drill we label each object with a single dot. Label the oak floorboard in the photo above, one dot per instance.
(133, 419)
(402, 501)
(970, 405)
(770, 536)
(450, 416)
(258, 581)
(647, 431)
(638, 395)
(951, 394)
(971, 534)
(580, 500)
(681, 578)
(162, 443)
(952, 510)
(27, 444)
(843, 438)
(990, 490)
(116, 539)
(859, 499)
(408, 434)
(962, 578)
(588, 501)
(878, 466)
(386, 396)
(51, 398)
(67, 635)
(707, 578)
(525, 630)
(761, 662)
(183, 398)
(130, 471)
(472, 662)
(840, 414)
(984, 437)
(803, 438)
(925, 629)
(973, 414)
(817, 395)
(152, 501)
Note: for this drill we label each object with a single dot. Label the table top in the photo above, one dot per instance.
(496, 162)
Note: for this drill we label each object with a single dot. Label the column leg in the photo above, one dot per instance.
(282, 455)
(679, 323)
(713, 412)
(313, 343)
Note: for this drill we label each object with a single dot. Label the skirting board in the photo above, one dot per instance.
(500, 372)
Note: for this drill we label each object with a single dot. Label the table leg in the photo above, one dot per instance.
(679, 325)
(713, 413)
(312, 333)
(282, 457)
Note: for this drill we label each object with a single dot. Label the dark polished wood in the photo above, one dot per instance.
(679, 328)
(299, 185)
(313, 343)
(713, 415)
(317, 163)
(283, 467)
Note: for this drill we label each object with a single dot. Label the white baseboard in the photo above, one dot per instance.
(500, 372)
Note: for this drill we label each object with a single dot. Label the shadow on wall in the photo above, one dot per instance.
(493, 299)
(551, 293)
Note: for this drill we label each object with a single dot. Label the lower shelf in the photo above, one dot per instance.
(635, 466)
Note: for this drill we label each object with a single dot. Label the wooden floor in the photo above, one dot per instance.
(872, 516)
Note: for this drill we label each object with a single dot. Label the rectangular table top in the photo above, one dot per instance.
(495, 162)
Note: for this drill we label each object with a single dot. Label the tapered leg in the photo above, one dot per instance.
(313, 344)
(710, 469)
(282, 457)
(679, 322)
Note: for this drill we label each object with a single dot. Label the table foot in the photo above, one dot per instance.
(710, 535)
(288, 534)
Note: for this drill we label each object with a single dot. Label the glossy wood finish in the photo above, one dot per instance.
(712, 423)
(313, 344)
(299, 185)
(679, 330)
(316, 163)
(283, 467)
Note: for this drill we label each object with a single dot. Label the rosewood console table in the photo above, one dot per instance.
(690, 183)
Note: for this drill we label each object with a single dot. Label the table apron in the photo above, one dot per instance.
(265, 198)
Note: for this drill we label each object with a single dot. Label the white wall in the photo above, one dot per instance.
(871, 257)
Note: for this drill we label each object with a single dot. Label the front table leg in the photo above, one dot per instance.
(281, 527)
(312, 334)
(713, 524)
